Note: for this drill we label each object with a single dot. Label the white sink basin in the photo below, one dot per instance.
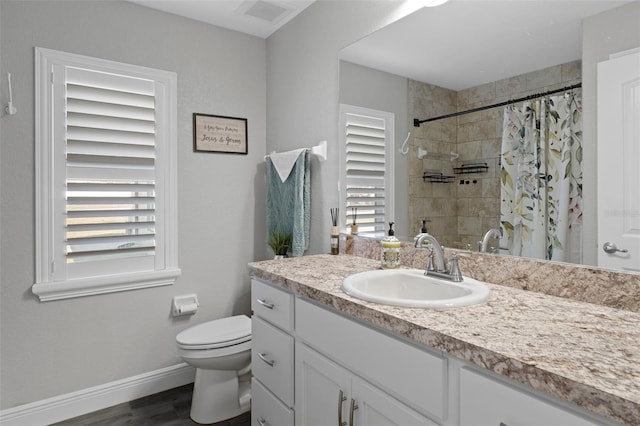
(411, 288)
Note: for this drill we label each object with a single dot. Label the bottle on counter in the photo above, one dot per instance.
(390, 250)
(335, 240)
(335, 231)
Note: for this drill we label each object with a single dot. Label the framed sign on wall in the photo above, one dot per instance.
(216, 133)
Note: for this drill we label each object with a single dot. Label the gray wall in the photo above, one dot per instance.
(609, 32)
(52, 348)
(370, 88)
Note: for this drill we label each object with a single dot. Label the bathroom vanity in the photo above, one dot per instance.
(322, 357)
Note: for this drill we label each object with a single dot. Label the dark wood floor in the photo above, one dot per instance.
(169, 408)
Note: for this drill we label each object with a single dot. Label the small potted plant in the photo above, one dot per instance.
(280, 244)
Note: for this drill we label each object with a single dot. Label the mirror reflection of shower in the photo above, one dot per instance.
(463, 198)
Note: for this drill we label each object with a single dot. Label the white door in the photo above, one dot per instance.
(619, 162)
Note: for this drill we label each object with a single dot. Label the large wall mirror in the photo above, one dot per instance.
(464, 56)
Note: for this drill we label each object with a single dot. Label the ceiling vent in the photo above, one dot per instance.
(264, 10)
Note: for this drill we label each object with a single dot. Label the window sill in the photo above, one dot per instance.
(59, 290)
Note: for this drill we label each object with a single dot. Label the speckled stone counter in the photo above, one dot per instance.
(580, 352)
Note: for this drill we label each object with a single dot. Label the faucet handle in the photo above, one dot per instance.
(430, 265)
(454, 272)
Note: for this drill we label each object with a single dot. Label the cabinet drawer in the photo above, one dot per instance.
(487, 401)
(266, 409)
(272, 359)
(272, 304)
(408, 373)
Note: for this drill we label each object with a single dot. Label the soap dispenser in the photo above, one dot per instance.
(390, 250)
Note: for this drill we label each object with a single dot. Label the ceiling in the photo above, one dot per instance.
(461, 44)
(466, 43)
(260, 18)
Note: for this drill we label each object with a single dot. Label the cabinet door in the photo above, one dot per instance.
(374, 408)
(322, 389)
(485, 401)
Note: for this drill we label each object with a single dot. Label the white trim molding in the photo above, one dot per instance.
(120, 177)
(101, 285)
(85, 401)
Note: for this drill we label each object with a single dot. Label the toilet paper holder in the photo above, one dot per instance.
(186, 304)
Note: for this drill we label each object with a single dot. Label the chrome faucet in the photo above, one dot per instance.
(491, 233)
(438, 267)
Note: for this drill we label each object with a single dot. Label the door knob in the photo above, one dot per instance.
(611, 248)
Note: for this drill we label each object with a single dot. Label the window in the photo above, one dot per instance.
(105, 176)
(366, 172)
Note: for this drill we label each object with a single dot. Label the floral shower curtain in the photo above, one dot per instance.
(541, 182)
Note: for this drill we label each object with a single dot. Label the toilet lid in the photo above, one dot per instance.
(217, 333)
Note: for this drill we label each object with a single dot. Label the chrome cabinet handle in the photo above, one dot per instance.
(265, 303)
(341, 399)
(262, 422)
(611, 248)
(353, 408)
(269, 362)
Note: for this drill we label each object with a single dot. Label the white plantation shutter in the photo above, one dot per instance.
(111, 175)
(110, 167)
(367, 172)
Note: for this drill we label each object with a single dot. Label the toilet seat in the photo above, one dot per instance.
(220, 333)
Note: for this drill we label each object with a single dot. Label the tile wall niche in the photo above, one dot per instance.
(460, 212)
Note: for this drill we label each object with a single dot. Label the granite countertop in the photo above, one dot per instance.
(579, 352)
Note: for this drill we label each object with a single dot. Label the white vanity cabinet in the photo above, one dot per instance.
(272, 356)
(331, 368)
(486, 400)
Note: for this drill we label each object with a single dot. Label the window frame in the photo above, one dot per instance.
(389, 174)
(48, 161)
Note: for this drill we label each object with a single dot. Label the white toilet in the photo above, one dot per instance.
(221, 352)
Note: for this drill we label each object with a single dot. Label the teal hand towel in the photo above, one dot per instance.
(289, 203)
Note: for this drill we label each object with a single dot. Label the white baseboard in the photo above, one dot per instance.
(75, 404)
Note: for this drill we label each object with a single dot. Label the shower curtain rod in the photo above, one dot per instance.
(417, 122)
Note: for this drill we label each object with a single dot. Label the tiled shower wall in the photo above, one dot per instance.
(435, 202)
(460, 212)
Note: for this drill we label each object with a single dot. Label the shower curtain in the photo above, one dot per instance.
(541, 181)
